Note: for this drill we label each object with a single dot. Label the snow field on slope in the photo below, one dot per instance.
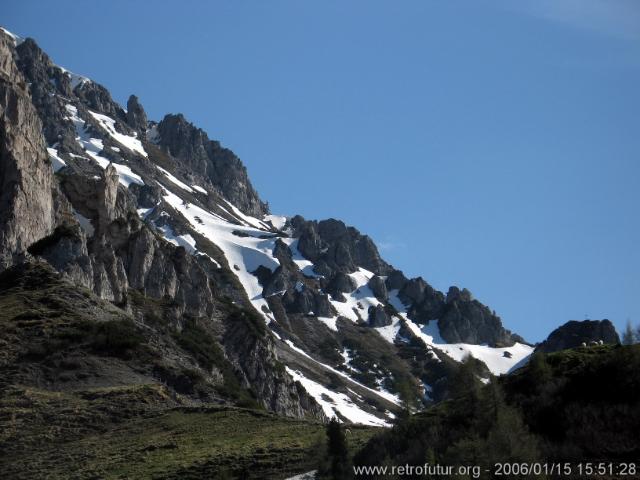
(248, 253)
(493, 358)
(332, 402)
(108, 124)
(254, 222)
(186, 241)
(244, 254)
(330, 322)
(75, 78)
(305, 266)
(360, 299)
(175, 181)
(56, 162)
(93, 147)
(390, 332)
(381, 393)
(304, 476)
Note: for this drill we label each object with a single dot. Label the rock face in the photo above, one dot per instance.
(465, 320)
(191, 146)
(26, 207)
(136, 116)
(334, 247)
(574, 333)
(378, 317)
(255, 356)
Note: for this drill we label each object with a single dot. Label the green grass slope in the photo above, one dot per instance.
(131, 432)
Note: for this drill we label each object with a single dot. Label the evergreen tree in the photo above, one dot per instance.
(465, 382)
(509, 439)
(539, 370)
(408, 399)
(336, 465)
(628, 336)
(498, 434)
(492, 401)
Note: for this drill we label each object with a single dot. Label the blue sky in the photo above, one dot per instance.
(493, 145)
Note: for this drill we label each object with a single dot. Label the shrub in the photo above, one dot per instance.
(114, 337)
(201, 345)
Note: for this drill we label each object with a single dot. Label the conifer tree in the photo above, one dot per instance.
(336, 466)
(465, 382)
(628, 336)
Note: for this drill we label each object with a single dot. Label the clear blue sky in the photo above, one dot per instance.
(492, 145)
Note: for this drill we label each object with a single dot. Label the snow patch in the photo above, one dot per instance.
(186, 241)
(16, 39)
(74, 77)
(175, 181)
(109, 125)
(332, 402)
(152, 134)
(305, 266)
(330, 322)
(143, 213)
(494, 358)
(245, 252)
(251, 221)
(304, 476)
(278, 221)
(390, 332)
(384, 394)
(359, 300)
(56, 161)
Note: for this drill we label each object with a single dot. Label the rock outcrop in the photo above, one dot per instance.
(334, 247)
(465, 320)
(136, 116)
(208, 159)
(574, 333)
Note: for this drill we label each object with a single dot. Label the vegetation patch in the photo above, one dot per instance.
(136, 432)
(207, 352)
(114, 337)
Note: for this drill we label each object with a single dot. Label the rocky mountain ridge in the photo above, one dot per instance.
(134, 209)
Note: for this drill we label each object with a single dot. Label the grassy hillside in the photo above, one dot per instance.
(131, 432)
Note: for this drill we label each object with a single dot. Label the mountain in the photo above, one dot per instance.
(156, 233)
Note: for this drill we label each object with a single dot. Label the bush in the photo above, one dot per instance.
(254, 325)
(201, 345)
(114, 337)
